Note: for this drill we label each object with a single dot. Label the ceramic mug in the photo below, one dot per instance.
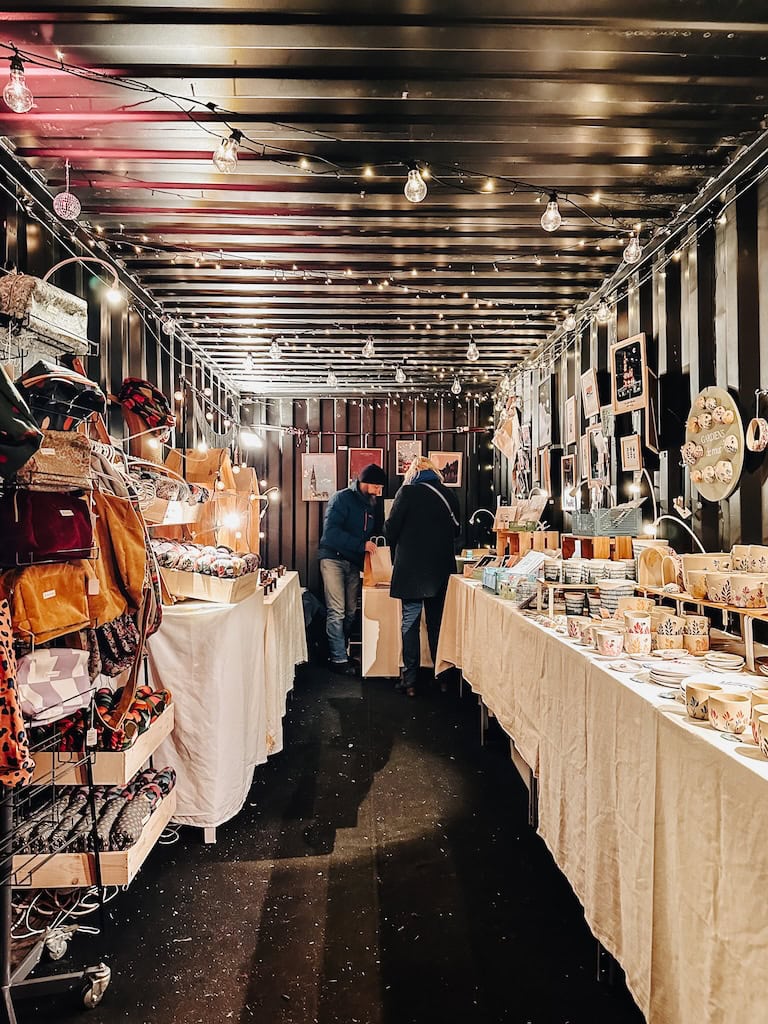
(762, 734)
(637, 643)
(758, 558)
(740, 557)
(748, 590)
(636, 604)
(696, 696)
(696, 625)
(759, 697)
(610, 642)
(672, 625)
(719, 587)
(697, 584)
(576, 626)
(637, 622)
(667, 642)
(757, 711)
(729, 712)
(696, 643)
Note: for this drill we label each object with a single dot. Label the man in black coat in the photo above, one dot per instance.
(421, 529)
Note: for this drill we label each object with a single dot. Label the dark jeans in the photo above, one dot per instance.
(433, 612)
(342, 584)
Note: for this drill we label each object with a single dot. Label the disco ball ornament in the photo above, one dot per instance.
(65, 204)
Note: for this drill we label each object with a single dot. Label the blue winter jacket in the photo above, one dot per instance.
(350, 520)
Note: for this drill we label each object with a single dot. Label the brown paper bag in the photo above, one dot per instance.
(378, 566)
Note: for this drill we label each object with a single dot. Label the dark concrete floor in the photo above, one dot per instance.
(382, 872)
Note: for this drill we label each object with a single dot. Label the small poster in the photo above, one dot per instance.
(629, 374)
(631, 453)
(449, 464)
(570, 420)
(359, 458)
(584, 457)
(545, 411)
(568, 482)
(318, 475)
(598, 466)
(405, 453)
(590, 397)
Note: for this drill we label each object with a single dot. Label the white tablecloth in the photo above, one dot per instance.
(229, 668)
(656, 821)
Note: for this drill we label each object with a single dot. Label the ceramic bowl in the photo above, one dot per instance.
(719, 587)
(749, 590)
(696, 643)
(719, 561)
(729, 712)
(697, 693)
(762, 734)
(740, 557)
(637, 643)
(758, 558)
(636, 604)
(757, 711)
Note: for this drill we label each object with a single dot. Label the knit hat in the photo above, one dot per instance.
(372, 474)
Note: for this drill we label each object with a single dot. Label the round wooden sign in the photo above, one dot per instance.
(714, 444)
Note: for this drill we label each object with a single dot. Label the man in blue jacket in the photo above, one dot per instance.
(350, 522)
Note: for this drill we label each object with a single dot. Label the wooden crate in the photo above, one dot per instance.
(73, 870)
(110, 768)
(517, 542)
(160, 512)
(210, 588)
(598, 547)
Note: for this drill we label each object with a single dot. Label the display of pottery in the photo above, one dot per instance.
(713, 450)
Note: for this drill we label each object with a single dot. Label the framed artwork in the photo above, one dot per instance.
(583, 457)
(450, 465)
(629, 374)
(405, 453)
(359, 458)
(525, 435)
(528, 396)
(598, 467)
(568, 482)
(318, 475)
(608, 420)
(631, 453)
(545, 469)
(651, 423)
(590, 397)
(570, 420)
(545, 411)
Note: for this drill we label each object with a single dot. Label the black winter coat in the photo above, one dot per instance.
(422, 535)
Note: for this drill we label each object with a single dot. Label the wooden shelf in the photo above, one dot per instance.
(74, 870)
(684, 598)
(110, 768)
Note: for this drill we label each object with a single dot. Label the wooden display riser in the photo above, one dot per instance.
(73, 870)
(518, 542)
(598, 547)
(110, 768)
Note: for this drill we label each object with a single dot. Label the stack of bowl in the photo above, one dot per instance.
(611, 591)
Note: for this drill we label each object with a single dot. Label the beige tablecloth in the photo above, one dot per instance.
(285, 648)
(655, 820)
(382, 634)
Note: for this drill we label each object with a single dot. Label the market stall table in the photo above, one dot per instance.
(656, 820)
(382, 634)
(229, 668)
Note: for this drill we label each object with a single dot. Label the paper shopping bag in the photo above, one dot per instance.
(378, 566)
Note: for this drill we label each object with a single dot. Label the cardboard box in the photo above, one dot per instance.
(210, 588)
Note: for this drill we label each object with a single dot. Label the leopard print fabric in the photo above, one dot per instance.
(16, 764)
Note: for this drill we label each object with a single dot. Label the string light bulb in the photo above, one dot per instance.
(634, 250)
(275, 352)
(66, 205)
(456, 386)
(248, 363)
(551, 218)
(400, 377)
(570, 323)
(603, 313)
(16, 93)
(225, 157)
(415, 187)
(473, 353)
(331, 380)
(369, 349)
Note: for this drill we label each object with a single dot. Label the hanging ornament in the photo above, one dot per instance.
(16, 93)
(168, 326)
(569, 324)
(456, 386)
(603, 313)
(551, 219)
(400, 377)
(225, 157)
(248, 363)
(634, 250)
(275, 352)
(66, 205)
(369, 349)
(331, 380)
(415, 187)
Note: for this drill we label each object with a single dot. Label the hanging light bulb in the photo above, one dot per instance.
(603, 313)
(64, 203)
(331, 380)
(473, 353)
(570, 321)
(168, 326)
(16, 93)
(248, 363)
(369, 349)
(456, 386)
(275, 352)
(551, 219)
(225, 157)
(415, 187)
(634, 250)
(400, 377)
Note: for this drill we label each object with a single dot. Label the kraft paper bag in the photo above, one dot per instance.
(378, 567)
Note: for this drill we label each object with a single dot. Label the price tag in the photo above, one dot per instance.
(91, 738)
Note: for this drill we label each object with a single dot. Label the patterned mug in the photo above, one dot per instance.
(696, 697)
(730, 712)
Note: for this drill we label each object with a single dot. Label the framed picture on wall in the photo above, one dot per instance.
(450, 465)
(631, 453)
(405, 453)
(583, 457)
(568, 482)
(545, 411)
(608, 420)
(590, 397)
(629, 374)
(525, 435)
(598, 469)
(545, 469)
(318, 475)
(570, 420)
(359, 458)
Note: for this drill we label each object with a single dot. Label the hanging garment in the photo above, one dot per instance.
(20, 436)
(16, 765)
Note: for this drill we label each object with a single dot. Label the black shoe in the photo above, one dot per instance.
(342, 668)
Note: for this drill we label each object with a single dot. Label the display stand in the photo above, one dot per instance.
(614, 548)
(519, 542)
(551, 588)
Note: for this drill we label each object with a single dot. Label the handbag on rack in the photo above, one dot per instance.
(53, 683)
(20, 436)
(118, 642)
(62, 463)
(148, 402)
(60, 398)
(42, 316)
(48, 601)
(43, 527)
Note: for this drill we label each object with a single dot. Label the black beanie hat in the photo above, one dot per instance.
(372, 474)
